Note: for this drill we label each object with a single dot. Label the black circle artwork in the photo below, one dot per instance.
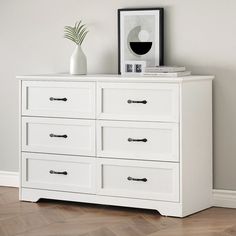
(137, 40)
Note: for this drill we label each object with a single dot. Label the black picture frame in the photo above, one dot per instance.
(161, 32)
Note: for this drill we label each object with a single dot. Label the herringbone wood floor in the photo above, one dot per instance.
(57, 218)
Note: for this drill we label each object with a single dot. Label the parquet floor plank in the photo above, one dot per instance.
(59, 218)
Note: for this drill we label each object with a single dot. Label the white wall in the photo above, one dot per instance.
(200, 34)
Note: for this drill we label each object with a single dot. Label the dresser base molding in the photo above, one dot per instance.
(221, 198)
(164, 208)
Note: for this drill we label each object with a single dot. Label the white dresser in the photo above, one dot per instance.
(129, 141)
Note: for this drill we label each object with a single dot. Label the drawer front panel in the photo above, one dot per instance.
(58, 99)
(62, 136)
(138, 101)
(65, 173)
(138, 140)
(138, 179)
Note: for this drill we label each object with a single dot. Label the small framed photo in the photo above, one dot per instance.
(140, 38)
(138, 68)
(134, 67)
(129, 68)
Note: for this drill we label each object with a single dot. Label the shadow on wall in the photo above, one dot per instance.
(224, 128)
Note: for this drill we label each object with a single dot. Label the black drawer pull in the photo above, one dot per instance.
(57, 99)
(133, 101)
(58, 136)
(58, 172)
(135, 179)
(137, 140)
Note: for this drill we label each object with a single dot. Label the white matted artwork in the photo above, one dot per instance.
(140, 33)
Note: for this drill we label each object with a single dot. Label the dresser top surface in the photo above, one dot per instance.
(113, 78)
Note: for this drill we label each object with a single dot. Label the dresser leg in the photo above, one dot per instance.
(28, 196)
(33, 200)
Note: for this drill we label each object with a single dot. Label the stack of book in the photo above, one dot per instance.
(166, 71)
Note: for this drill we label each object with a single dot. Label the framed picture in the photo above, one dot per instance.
(140, 39)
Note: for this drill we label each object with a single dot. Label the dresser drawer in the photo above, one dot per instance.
(65, 173)
(62, 136)
(138, 140)
(58, 99)
(138, 101)
(138, 179)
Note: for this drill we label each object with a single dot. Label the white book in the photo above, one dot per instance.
(168, 74)
(165, 69)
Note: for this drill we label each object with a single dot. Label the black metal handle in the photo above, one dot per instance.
(58, 172)
(137, 140)
(57, 99)
(133, 101)
(58, 136)
(135, 179)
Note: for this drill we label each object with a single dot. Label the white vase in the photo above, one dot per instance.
(78, 62)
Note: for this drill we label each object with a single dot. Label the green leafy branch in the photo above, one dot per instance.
(77, 33)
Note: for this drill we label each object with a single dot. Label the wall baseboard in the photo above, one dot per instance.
(224, 198)
(9, 179)
(221, 198)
